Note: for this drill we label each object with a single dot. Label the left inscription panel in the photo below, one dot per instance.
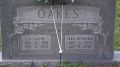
(35, 42)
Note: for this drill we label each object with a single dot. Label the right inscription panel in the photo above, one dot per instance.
(79, 42)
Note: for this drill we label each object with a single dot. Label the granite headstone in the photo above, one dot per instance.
(84, 29)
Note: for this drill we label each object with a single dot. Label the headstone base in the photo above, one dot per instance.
(56, 62)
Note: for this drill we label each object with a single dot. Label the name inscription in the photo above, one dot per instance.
(36, 42)
(44, 14)
(79, 42)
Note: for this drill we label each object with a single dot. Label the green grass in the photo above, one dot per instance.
(117, 30)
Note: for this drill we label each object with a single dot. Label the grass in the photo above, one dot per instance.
(117, 29)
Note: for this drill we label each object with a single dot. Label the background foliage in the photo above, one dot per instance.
(117, 30)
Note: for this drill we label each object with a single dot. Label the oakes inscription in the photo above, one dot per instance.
(69, 13)
(76, 14)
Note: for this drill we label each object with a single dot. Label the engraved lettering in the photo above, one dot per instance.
(75, 13)
(67, 13)
(41, 13)
(50, 14)
(59, 14)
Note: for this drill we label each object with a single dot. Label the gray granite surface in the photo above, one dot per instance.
(29, 33)
(116, 58)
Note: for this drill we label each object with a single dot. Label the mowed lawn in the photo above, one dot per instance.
(117, 30)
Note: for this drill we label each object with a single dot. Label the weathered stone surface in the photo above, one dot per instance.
(26, 63)
(28, 30)
(37, 64)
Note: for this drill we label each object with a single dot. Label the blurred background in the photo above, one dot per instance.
(0, 30)
(117, 29)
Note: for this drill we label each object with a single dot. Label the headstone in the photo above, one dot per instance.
(83, 30)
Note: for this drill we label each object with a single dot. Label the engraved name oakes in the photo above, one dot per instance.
(68, 13)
